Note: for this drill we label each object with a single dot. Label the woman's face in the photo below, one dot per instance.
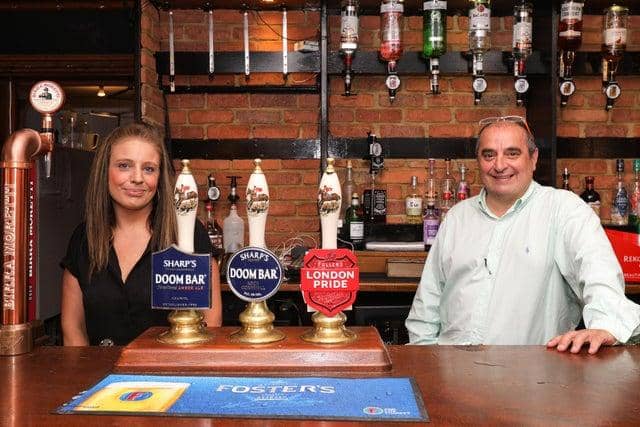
(134, 171)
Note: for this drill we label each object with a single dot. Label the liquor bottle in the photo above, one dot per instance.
(391, 12)
(347, 190)
(522, 40)
(355, 219)
(214, 231)
(634, 199)
(614, 44)
(590, 195)
(413, 203)
(375, 208)
(620, 208)
(233, 231)
(430, 225)
(479, 42)
(569, 41)
(565, 179)
(448, 199)
(463, 191)
(233, 225)
(431, 190)
(348, 39)
(434, 30)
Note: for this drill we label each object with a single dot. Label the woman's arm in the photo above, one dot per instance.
(213, 316)
(74, 329)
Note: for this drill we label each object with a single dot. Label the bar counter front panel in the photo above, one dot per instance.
(472, 385)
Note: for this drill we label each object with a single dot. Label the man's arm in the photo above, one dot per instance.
(423, 322)
(587, 261)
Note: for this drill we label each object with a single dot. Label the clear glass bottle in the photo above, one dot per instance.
(590, 195)
(413, 203)
(348, 39)
(479, 43)
(434, 30)
(620, 206)
(463, 192)
(431, 187)
(479, 26)
(570, 29)
(522, 31)
(391, 12)
(448, 185)
(614, 33)
(355, 219)
(565, 179)
(233, 231)
(634, 199)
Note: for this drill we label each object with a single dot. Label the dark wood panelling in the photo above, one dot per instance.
(367, 62)
(598, 148)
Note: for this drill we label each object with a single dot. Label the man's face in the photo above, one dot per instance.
(506, 167)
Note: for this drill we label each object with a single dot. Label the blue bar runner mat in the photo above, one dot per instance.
(368, 399)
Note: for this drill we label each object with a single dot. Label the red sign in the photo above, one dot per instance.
(329, 280)
(627, 249)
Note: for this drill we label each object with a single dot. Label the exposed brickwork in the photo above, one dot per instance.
(415, 113)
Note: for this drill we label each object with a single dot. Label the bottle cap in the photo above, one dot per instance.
(619, 165)
(636, 165)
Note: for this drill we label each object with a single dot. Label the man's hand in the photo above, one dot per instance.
(595, 338)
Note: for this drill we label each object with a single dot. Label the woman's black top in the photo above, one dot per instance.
(116, 312)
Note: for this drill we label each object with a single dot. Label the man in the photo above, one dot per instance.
(520, 263)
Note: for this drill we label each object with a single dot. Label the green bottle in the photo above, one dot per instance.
(434, 30)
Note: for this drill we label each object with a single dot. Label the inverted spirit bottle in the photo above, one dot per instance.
(569, 41)
(614, 44)
(590, 195)
(391, 12)
(348, 39)
(522, 40)
(434, 30)
(479, 42)
(413, 203)
(620, 207)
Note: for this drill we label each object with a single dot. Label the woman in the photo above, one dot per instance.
(106, 285)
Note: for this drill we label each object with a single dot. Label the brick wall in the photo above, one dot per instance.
(415, 113)
(585, 117)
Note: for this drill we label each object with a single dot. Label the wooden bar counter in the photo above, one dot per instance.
(476, 385)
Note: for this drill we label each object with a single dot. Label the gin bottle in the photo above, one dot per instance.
(620, 207)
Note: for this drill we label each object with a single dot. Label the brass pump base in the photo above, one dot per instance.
(16, 339)
(257, 326)
(186, 328)
(329, 330)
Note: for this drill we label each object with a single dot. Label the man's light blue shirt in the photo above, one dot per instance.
(522, 278)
